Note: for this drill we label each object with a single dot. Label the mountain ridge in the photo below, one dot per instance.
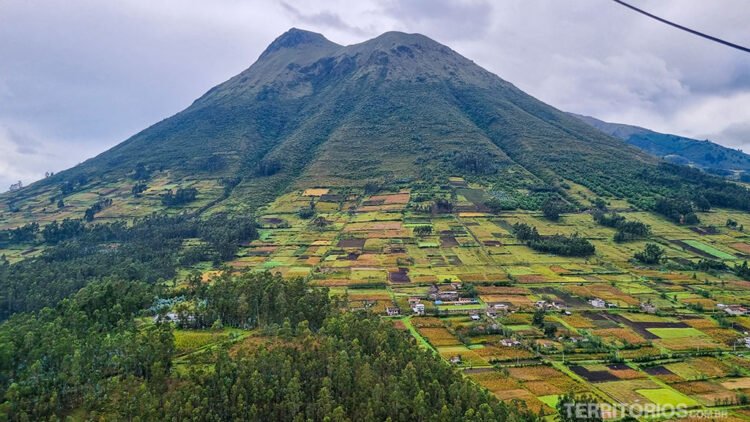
(310, 112)
(675, 148)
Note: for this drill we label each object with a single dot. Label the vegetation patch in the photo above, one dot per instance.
(676, 333)
(709, 249)
(667, 397)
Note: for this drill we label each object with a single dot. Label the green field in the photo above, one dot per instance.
(667, 397)
(709, 249)
(670, 333)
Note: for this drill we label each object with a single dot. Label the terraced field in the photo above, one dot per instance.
(662, 336)
(526, 325)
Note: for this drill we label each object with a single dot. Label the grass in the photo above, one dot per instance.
(471, 307)
(189, 340)
(520, 327)
(667, 397)
(672, 333)
(709, 249)
(413, 331)
(550, 400)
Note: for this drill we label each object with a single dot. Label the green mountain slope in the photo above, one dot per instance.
(674, 148)
(310, 112)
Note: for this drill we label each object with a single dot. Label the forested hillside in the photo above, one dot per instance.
(92, 357)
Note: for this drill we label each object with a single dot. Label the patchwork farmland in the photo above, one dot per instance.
(529, 326)
(526, 325)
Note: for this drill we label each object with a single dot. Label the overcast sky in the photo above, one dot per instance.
(79, 76)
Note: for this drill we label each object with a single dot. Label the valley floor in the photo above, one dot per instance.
(469, 290)
(525, 325)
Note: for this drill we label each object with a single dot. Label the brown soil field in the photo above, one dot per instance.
(742, 247)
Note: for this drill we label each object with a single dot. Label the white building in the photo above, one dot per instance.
(598, 303)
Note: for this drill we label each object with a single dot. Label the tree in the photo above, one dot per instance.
(474, 162)
(306, 213)
(423, 230)
(141, 172)
(443, 206)
(138, 189)
(179, 197)
(91, 211)
(652, 254)
(496, 204)
(572, 408)
(213, 163)
(702, 203)
(742, 271)
(550, 330)
(552, 208)
(572, 245)
(538, 318)
(678, 210)
(268, 167)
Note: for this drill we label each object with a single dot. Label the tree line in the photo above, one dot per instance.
(558, 244)
(626, 230)
(72, 355)
(90, 355)
(149, 250)
(250, 300)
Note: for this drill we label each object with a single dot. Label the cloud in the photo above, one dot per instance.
(323, 18)
(28, 155)
(23, 156)
(453, 19)
(736, 135)
(615, 82)
(725, 117)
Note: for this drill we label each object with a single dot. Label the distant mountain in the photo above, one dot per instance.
(674, 148)
(310, 112)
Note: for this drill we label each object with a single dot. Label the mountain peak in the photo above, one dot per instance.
(296, 37)
(311, 112)
(399, 36)
(391, 39)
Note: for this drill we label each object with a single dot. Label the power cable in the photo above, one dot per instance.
(684, 28)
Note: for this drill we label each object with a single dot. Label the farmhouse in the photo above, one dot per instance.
(174, 317)
(598, 303)
(418, 308)
(509, 342)
(448, 295)
(735, 310)
(500, 306)
(549, 305)
(393, 311)
(648, 308)
(459, 302)
(444, 292)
